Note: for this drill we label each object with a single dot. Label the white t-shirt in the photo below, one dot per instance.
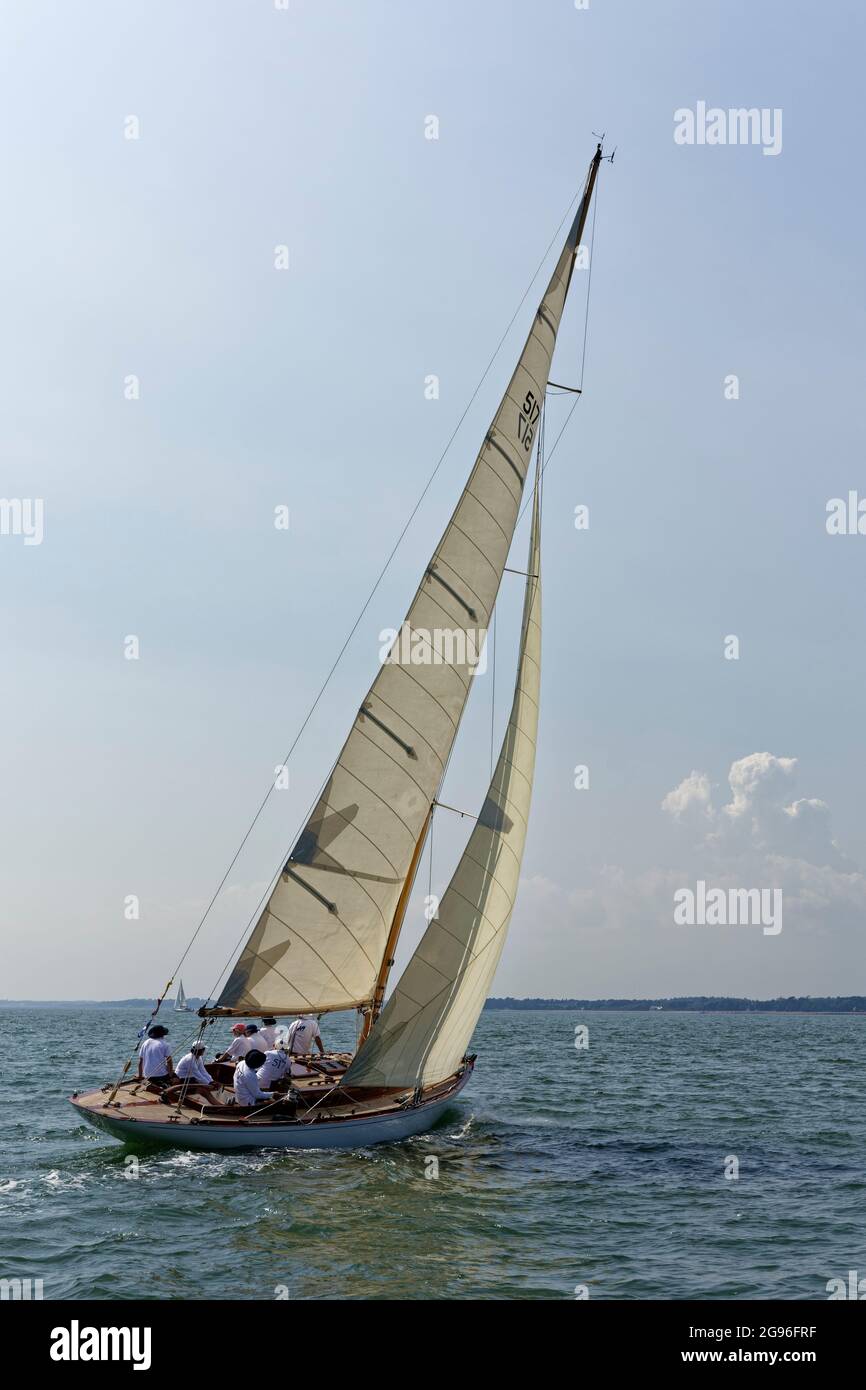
(256, 1040)
(239, 1048)
(154, 1053)
(303, 1034)
(274, 1067)
(193, 1068)
(267, 1037)
(247, 1088)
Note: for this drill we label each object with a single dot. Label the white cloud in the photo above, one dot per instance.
(758, 821)
(692, 795)
(613, 935)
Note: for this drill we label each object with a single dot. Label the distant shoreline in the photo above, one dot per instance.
(720, 1004)
(699, 1003)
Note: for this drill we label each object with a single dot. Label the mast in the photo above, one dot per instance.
(396, 927)
(583, 210)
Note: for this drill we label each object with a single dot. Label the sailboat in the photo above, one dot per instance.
(180, 1004)
(326, 937)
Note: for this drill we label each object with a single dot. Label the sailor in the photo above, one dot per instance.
(191, 1069)
(274, 1067)
(254, 1037)
(246, 1082)
(239, 1047)
(267, 1034)
(154, 1057)
(302, 1034)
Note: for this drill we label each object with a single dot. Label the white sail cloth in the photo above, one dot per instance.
(428, 1022)
(320, 941)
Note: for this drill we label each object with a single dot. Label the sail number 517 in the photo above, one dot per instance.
(526, 421)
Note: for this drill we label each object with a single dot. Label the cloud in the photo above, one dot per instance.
(613, 934)
(693, 795)
(758, 821)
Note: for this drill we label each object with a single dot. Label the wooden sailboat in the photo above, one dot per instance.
(325, 940)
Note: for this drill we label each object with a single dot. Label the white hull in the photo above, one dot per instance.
(349, 1133)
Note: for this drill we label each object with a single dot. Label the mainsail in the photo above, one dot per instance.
(429, 1019)
(321, 940)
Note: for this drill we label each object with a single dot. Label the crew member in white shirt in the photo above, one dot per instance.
(246, 1082)
(267, 1038)
(275, 1066)
(302, 1034)
(254, 1037)
(154, 1057)
(192, 1071)
(239, 1046)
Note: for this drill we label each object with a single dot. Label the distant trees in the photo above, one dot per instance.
(700, 1003)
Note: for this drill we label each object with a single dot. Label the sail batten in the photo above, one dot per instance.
(320, 941)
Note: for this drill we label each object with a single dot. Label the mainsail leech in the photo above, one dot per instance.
(319, 943)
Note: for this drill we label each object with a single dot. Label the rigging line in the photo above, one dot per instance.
(375, 587)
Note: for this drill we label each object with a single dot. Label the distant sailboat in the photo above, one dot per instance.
(180, 1004)
(326, 938)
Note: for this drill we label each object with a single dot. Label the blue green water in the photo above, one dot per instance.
(603, 1167)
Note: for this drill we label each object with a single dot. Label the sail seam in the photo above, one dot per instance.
(433, 574)
(333, 811)
(483, 505)
(401, 768)
(451, 666)
(484, 557)
(459, 576)
(508, 459)
(413, 834)
(404, 670)
(298, 933)
(505, 481)
(366, 713)
(431, 598)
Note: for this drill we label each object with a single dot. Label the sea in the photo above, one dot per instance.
(601, 1155)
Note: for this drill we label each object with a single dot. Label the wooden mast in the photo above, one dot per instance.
(396, 926)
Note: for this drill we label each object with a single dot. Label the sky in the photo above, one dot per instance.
(165, 386)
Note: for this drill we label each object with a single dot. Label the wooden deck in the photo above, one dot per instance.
(320, 1097)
